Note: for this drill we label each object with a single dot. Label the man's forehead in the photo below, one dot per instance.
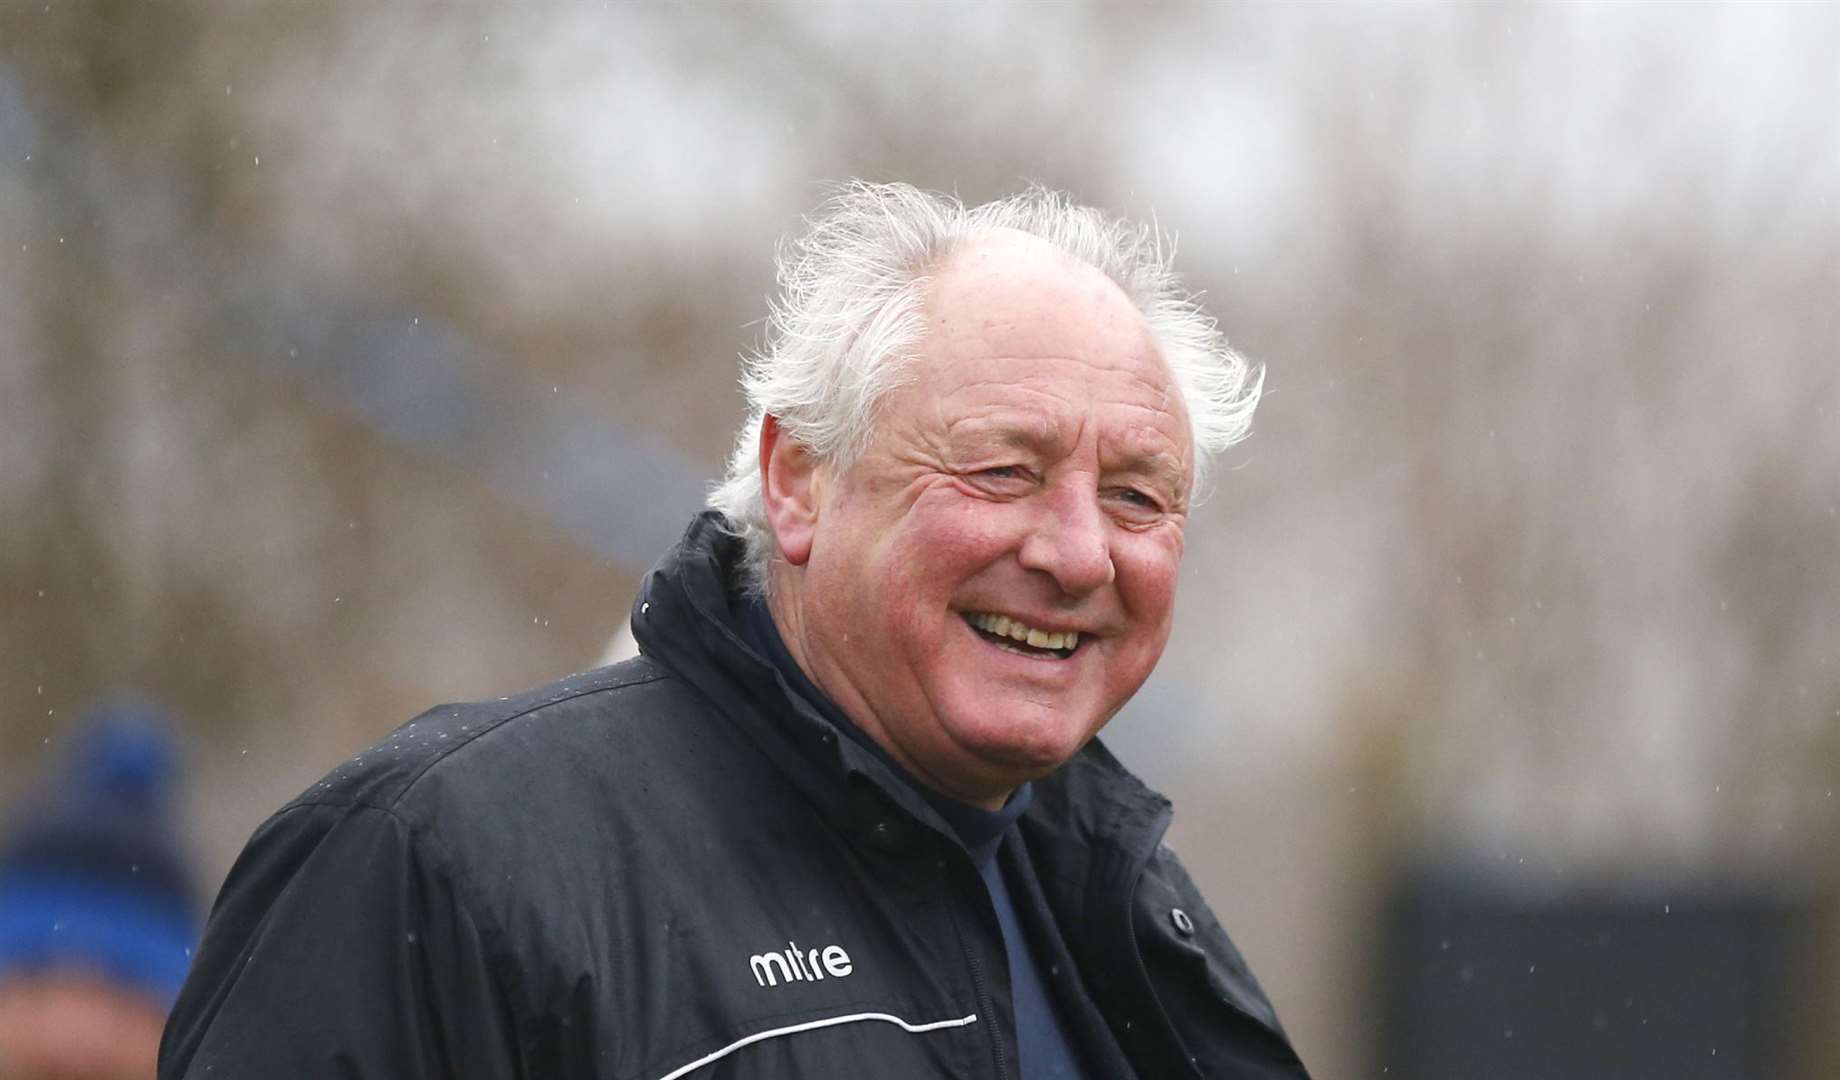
(1019, 298)
(1011, 269)
(1022, 332)
(1128, 436)
(1034, 383)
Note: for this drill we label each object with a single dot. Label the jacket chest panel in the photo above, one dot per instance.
(774, 959)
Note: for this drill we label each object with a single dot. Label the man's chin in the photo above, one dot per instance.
(1022, 750)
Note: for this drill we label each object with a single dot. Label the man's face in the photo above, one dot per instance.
(1033, 476)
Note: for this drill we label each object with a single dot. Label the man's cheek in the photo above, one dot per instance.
(1148, 572)
(969, 538)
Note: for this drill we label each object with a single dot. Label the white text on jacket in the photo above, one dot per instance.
(770, 968)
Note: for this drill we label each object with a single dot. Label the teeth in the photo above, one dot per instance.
(1004, 626)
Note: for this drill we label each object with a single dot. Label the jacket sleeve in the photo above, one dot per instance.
(340, 946)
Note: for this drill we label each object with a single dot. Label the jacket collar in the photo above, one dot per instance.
(688, 616)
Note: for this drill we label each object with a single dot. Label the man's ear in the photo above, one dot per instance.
(792, 490)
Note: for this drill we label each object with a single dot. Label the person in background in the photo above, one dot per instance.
(98, 908)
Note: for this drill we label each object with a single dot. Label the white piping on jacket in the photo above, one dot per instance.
(812, 1025)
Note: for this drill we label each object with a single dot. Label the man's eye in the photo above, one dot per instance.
(1003, 472)
(1141, 499)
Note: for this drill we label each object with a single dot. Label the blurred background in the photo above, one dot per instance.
(355, 358)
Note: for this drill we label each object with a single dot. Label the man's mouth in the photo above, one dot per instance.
(1019, 637)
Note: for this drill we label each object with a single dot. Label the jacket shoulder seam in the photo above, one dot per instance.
(415, 778)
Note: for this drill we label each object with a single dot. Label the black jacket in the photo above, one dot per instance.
(673, 868)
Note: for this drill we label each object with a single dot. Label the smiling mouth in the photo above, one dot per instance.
(1018, 637)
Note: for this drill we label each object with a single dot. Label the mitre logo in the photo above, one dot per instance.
(771, 968)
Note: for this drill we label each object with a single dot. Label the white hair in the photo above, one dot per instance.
(849, 321)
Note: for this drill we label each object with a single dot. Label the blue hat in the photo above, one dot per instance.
(91, 875)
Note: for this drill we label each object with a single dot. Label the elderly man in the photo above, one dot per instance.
(844, 815)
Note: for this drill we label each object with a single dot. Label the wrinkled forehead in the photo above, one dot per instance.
(1004, 280)
(1009, 296)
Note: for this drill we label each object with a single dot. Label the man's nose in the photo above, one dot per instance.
(1071, 540)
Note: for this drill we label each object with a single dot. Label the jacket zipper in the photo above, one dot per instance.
(986, 1009)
